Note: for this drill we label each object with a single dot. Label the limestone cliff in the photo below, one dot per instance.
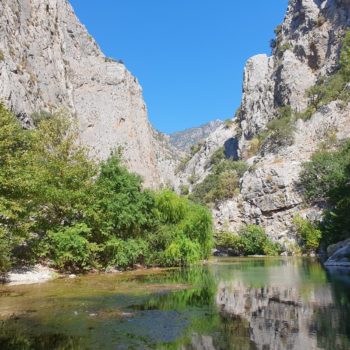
(306, 47)
(50, 62)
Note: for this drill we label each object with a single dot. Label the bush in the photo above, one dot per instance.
(309, 233)
(345, 57)
(252, 240)
(228, 123)
(279, 131)
(5, 252)
(322, 175)
(254, 147)
(196, 148)
(2, 56)
(124, 253)
(70, 247)
(217, 157)
(184, 190)
(332, 88)
(325, 180)
(232, 241)
(118, 206)
(221, 184)
(272, 248)
(182, 252)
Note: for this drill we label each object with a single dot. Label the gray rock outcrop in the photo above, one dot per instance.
(182, 141)
(306, 47)
(340, 256)
(50, 62)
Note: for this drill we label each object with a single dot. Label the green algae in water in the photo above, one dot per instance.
(253, 303)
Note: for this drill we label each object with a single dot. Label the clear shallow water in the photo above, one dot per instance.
(258, 303)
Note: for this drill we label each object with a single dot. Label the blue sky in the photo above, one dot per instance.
(188, 55)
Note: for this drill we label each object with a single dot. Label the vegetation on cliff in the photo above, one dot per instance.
(326, 181)
(57, 205)
(222, 182)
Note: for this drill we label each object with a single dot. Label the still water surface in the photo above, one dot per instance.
(253, 303)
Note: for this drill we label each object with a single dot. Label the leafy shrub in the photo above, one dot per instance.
(222, 183)
(279, 131)
(170, 207)
(282, 128)
(228, 123)
(184, 190)
(271, 248)
(16, 185)
(118, 206)
(70, 247)
(345, 57)
(325, 179)
(124, 253)
(196, 148)
(254, 147)
(332, 88)
(322, 175)
(5, 252)
(252, 240)
(182, 252)
(217, 157)
(231, 241)
(2, 56)
(281, 49)
(38, 117)
(308, 232)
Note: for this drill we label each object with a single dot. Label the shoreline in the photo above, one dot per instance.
(39, 273)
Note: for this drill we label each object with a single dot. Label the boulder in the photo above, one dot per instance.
(341, 257)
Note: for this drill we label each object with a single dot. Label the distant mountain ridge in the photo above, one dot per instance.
(184, 140)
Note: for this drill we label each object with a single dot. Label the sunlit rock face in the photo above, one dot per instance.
(51, 62)
(307, 46)
(198, 167)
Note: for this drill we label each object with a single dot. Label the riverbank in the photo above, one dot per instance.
(31, 275)
(41, 274)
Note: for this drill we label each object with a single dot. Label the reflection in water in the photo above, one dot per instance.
(229, 304)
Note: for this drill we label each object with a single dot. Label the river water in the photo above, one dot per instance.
(243, 303)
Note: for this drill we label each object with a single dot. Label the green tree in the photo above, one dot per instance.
(16, 185)
(63, 172)
(325, 180)
(309, 233)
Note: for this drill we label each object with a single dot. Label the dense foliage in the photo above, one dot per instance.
(221, 183)
(332, 88)
(309, 234)
(57, 205)
(251, 240)
(326, 179)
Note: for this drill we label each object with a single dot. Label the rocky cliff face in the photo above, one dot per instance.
(184, 140)
(198, 166)
(50, 62)
(307, 46)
